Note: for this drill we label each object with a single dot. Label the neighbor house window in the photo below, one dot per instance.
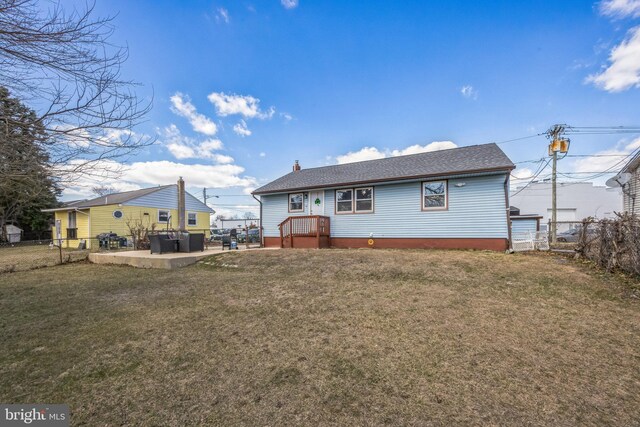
(117, 214)
(296, 202)
(354, 200)
(192, 219)
(434, 195)
(163, 216)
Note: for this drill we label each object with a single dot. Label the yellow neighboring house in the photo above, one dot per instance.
(86, 219)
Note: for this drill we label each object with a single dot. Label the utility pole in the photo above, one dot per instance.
(557, 144)
(554, 197)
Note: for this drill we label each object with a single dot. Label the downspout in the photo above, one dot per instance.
(259, 222)
(507, 208)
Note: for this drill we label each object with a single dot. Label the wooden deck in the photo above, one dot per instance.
(308, 231)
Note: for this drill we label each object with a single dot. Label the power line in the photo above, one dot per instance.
(518, 139)
(532, 178)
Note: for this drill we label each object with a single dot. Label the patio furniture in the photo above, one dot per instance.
(191, 242)
(162, 243)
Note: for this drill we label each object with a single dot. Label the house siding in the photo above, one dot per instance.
(524, 225)
(82, 224)
(476, 211)
(167, 198)
(275, 209)
(102, 220)
(630, 205)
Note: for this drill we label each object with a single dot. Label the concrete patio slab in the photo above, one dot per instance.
(144, 259)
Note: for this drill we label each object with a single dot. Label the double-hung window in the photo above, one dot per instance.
(163, 216)
(354, 200)
(434, 195)
(296, 202)
(192, 219)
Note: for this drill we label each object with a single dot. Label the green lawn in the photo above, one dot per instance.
(326, 337)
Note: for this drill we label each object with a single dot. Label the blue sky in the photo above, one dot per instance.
(321, 81)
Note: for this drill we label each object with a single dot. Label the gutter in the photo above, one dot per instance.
(65, 209)
(259, 222)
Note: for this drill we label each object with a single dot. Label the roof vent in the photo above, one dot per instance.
(296, 166)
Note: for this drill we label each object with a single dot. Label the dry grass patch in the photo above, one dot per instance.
(326, 337)
(28, 257)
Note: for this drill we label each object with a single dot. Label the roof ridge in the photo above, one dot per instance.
(128, 191)
(396, 157)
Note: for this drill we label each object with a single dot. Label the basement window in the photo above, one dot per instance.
(163, 216)
(296, 202)
(192, 219)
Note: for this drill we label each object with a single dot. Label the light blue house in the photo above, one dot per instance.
(455, 198)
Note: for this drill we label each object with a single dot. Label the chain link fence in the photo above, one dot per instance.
(20, 254)
(30, 254)
(613, 244)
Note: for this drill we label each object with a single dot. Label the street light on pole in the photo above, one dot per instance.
(205, 197)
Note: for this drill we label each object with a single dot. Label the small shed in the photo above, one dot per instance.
(523, 223)
(14, 233)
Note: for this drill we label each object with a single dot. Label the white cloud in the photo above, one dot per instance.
(288, 117)
(520, 176)
(244, 105)
(183, 147)
(181, 151)
(433, 146)
(469, 92)
(366, 153)
(613, 158)
(241, 128)
(289, 4)
(222, 14)
(620, 8)
(146, 174)
(211, 145)
(372, 153)
(624, 69)
(263, 154)
(222, 159)
(181, 105)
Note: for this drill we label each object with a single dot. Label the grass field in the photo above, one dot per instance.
(326, 337)
(28, 257)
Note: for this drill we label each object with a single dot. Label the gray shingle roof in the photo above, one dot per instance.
(115, 198)
(474, 158)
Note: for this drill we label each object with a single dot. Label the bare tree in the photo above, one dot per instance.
(102, 190)
(65, 67)
(248, 215)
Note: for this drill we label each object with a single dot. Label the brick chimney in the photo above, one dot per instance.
(296, 166)
(181, 206)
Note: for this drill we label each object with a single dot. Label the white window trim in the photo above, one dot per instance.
(168, 216)
(335, 196)
(354, 201)
(196, 223)
(289, 202)
(446, 196)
